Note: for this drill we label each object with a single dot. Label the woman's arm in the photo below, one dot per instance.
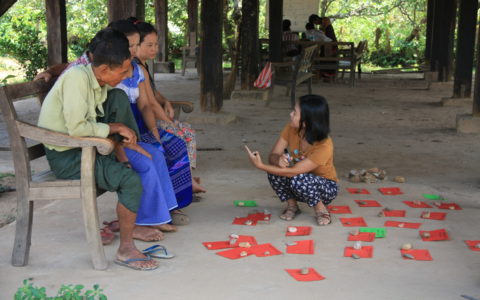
(277, 156)
(147, 113)
(157, 109)
(301, 167)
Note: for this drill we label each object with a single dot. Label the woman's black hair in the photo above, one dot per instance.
(143, 28)
(124, 26)
(109, 47)
(314, 118)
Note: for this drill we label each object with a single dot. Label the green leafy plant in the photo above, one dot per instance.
(5, 79)
(66, 292)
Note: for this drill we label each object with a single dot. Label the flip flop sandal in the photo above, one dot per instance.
(158, 251)
(179, 218)
(114, 226)
(127, 263)
(290, 213)
(321, 216)
(107, 236)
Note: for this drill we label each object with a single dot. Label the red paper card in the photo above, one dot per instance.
(358, 191)
(418, 254)
(311, 276)
(264, 250)
(245, 239)
(339, 209)
(402, 224)
(351, 222)
(301, 230)
(435, 235)
(417, 204)
(217, 245)
(301, 247)
(390, 191)
(364, 252)
(452, 206)
(235, 253)
(260, 217)
(362, 236)
(244, 221)
(368, 203)
(394, 213)
(433, 215)
(472, 245)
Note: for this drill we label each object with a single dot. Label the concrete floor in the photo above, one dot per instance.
(59, 254)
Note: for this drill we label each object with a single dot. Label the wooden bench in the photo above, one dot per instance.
(293, 73)
(335, 56)
(43, 185)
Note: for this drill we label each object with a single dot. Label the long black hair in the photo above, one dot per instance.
(143, 28)
(314, 118)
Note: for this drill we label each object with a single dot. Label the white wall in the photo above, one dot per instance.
(298, 12)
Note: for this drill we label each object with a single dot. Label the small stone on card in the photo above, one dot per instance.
(407, 246)
(425, 235)
(409, 256)
(401, 225)
(292, 229)
(357, 245)
(249, 222)
(354, 232)
(244, 245)
(304, 271)
(243, 253)
(355, 256)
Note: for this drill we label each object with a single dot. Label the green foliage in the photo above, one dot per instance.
(5, 79)
(66, 292)
(20, 39)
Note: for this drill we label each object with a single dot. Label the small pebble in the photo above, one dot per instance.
(362, 203)
(437, 204)
(426, 215)
(267, 252)
(267, 218)
(244, 245)
(354, 232)
(356, 256)
(425, 235)
(233, 241)
(409, 256)
(401, 225)
(399, 179)
(407, 246)
(248, 222)
(292, 229)
(209, 245)
(452, 207)
(234, 236)
(333, 209)
(304, 271)
(357, 245)
(243, 253)
(416, 202)
(291, 244)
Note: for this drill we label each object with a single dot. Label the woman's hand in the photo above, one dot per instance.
(254, 157)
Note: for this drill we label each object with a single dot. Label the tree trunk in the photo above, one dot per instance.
(120, 9)
(211, 73)
(56, 32)
(250, 50)
(233, 48)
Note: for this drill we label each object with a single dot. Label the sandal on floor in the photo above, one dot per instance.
(179, 218)
(321, 217)
(290, 213)
(107, 236)
(158, 251)
(127, 263)
(114, 226)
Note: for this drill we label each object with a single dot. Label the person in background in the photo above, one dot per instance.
(315, 35)
(290, 48)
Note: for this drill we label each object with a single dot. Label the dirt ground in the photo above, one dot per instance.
(390, 122)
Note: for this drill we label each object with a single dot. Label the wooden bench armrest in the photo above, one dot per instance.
(104, 146)
(185, 106)
(283, 64)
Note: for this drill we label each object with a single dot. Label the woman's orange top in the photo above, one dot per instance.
(320, 152)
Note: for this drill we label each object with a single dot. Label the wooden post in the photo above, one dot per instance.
(211, 71)
(56, 31)
(5, 5)
(192, 22)
(476, 87)
(161, 19)
(275, 15)
(121, 9)
(249, 43)
(443, 36)
(429, 31)
(467, 22)
(140, 11)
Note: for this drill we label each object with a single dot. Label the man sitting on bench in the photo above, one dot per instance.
(79, 104)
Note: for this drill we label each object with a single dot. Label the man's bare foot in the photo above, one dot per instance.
(197, 188)
(131, 253)
(147, 234)
(166, 227)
